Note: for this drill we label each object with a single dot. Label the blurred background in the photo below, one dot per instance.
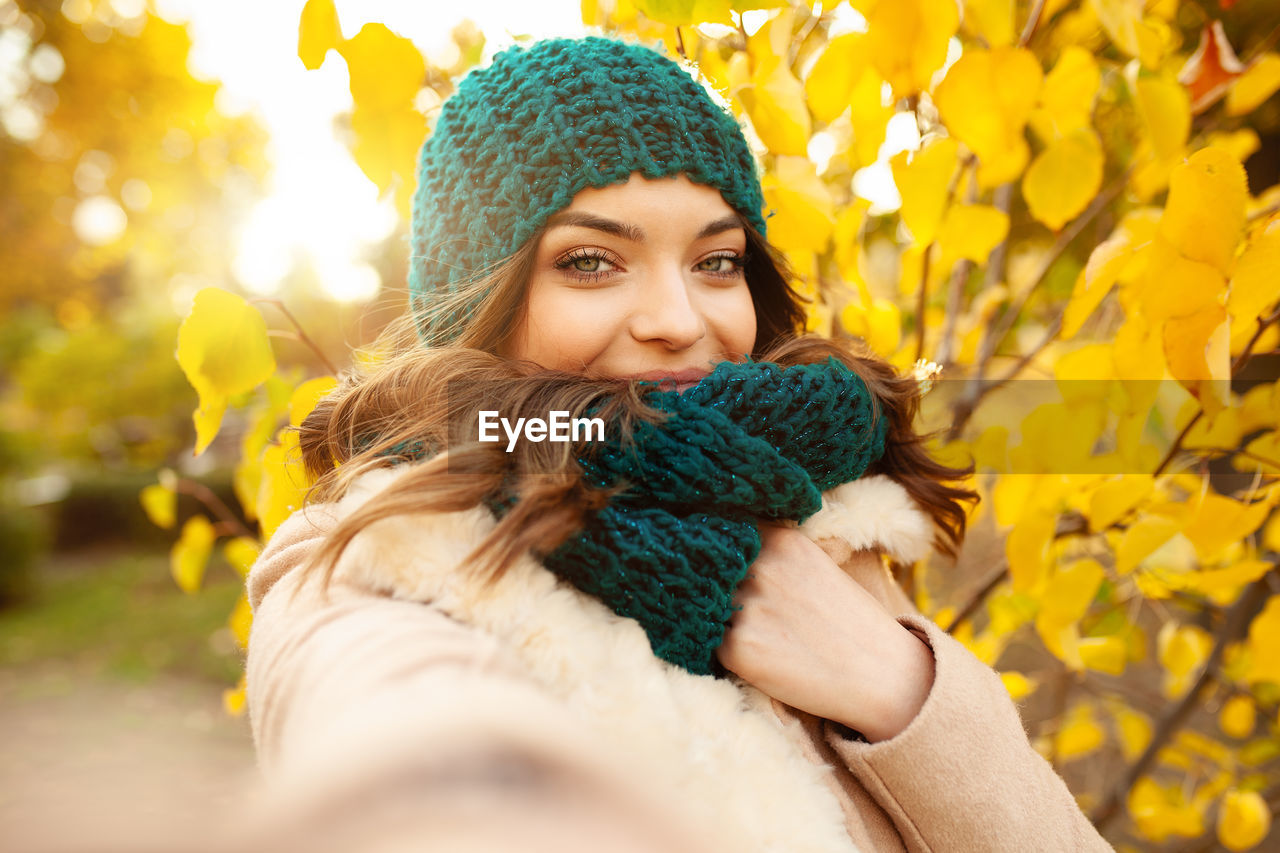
(152, 149)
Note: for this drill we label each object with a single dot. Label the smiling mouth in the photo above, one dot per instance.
(681, 379)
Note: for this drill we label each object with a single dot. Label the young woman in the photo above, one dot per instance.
(676, 630)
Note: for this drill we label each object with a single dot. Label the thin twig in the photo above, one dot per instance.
(214, 504)
(1236, 624)
(302, 334)
(1033, 21)
(680, 45)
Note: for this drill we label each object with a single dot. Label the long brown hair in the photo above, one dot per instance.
(418, 401)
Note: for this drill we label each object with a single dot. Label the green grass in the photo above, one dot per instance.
(122, 616)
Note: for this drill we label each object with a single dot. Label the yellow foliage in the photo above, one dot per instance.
(1064, 178)
(1183, 649)
(985, 101)
(1258, 83)
(971, 231)
(1066, 102)
(190, 554)
(1217, 522)
(1243, 820)
(305, 397)
(1238, 716)
(1105, 654)
(1129, 30)
(922, 178)
(241, 553)
(1079, 734)
(223, 349)
(1116, 497)
(1027, 550)
(1134, 730)
(804, 212)
(1160, 811)
(992, 20)
(1165, 109)
(318, 32)
(161, 504)
(233, 699)
(869, 115)
(1253, 284)
(829, 87)
(1263, 643)
(1204, 216)
(680, 13)
(908, 41)
(1018, 685)
(775, 103)
(284, 482)
(240, 621)
(1064, 602)
(879, 324)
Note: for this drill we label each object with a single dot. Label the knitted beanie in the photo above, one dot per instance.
(518, 139)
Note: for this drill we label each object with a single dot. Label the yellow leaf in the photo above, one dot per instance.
(908, 40)
(233, 699)
(1079, 733)
(1066, 102)
(972, 231)
(241, 553)
(1027, 550)
(1182, 650)
(1238, 716)
(1064, 602)
(1139, 353)
(1093, 283)
(775, 103)
(1116, 496)
(1064, 178)
(1162, 810)
(1175, 285)
(1243, 820)
(1142, 537)
(1218, 521)
(307, 395)
(985, 101)
(1258, 83)
(1123, 20)
(161, 505)
(1105, 654)
(284, 482)
(1165, 108)
(990, 19)
(1263, 644)
(879, 325)
(829, 86)
(386, 71)
(922, 184)
(1253, 286)
(240, 621)
(318, 32)
(804, 214)
(1135, 731)
(682, 13)
(190, 554)
(385, 146)
(1197, 350)
(1018, 685)
(869, 116)
(1204, 216)
(223, 349)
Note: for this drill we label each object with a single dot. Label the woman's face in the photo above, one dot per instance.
(643, 279)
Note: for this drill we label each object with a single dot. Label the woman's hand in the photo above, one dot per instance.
(812, 637)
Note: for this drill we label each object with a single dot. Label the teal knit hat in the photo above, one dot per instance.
(519, 138)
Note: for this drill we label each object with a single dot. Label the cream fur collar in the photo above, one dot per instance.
(715, 744)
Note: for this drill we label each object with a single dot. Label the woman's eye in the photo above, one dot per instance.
(586, 264)
(726, 265)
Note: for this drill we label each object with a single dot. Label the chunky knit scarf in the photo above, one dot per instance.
(751, 442)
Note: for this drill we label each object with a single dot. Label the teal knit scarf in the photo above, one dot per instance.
(751, 442)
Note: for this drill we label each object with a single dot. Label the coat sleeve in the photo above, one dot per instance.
(962, 775)
(384, 724)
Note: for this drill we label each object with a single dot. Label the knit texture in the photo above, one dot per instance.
(751, 442)
(518, 139)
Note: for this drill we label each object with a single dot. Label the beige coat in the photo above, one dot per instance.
(414, 709)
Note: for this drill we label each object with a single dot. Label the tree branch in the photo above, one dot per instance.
(226, 518)
(302, 334)
(1236, 624)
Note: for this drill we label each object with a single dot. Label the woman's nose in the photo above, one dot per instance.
(665, 311)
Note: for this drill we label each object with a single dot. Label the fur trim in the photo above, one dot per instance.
(706, 740)
(873, 512)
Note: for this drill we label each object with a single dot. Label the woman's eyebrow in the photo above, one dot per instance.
(626, 231)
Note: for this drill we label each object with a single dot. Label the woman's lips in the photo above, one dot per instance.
(682, 378)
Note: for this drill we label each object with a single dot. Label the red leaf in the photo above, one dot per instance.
(1211, 69)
